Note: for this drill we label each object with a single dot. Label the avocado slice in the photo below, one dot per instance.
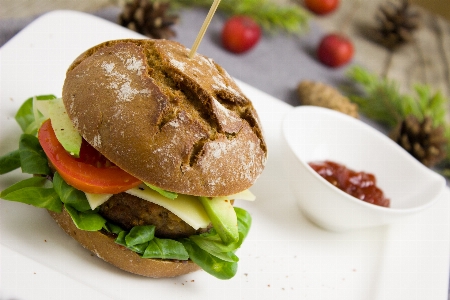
(223, 218)
(65, 132)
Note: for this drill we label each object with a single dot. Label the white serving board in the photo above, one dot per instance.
(284, 256)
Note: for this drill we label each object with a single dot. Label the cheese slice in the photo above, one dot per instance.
(96, 200)
(187, 208)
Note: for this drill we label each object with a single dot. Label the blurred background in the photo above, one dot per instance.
(24, 8)
(404, 41)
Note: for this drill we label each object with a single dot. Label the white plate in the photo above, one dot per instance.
(284, 257)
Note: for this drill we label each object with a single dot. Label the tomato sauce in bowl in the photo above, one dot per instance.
(360, 185)
(316, 134)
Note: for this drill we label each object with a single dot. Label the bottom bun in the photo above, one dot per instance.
(104, 247)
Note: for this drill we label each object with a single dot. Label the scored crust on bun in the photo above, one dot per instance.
(142, 158)
(178, 123)
(105, 248)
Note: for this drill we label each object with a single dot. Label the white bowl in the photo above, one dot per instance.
(317, 134)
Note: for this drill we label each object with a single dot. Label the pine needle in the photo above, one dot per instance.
(269, 15)
(380, 99)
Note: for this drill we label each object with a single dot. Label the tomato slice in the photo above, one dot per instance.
(91, 172)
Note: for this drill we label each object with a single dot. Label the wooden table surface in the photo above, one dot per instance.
(427, 60)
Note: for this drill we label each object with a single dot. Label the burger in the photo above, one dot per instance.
(142, 158)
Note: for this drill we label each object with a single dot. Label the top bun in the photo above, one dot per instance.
(180, 124)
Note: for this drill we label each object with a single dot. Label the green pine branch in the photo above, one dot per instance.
(270, 16)
(380, 99)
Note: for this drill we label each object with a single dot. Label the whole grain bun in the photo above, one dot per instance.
(177, 123)
(104, 247)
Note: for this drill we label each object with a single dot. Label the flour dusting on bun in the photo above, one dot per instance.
(179, 123)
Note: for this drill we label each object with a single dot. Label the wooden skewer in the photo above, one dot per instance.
(205, 25)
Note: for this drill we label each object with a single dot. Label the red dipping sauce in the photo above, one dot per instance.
(360, 185)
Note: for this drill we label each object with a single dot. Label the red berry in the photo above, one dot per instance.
(240, 33)
(335, 50)
(322, 7)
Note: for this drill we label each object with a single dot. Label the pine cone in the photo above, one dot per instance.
(148, 18)
(319, 94)
(396, 24)
(423, 141)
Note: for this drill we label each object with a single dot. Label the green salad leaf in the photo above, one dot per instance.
(69, 195)
(36, 196)
(88, 220)
(120, 239)
(25, 117)
(32, 158)
(25, 114)
(137, 244)
(51, 192)
(33, 191)
(207, 250)
(167, 194)
(165, 249)
(30, 182)
(138, 248)
(244, 220)
(140, 235)
(215, 266)
(211, 243)
(142, 240)
(9, 162)
(113, 228)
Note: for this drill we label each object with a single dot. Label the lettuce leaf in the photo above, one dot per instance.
(140, 235)
(138, 248)
(206, 250)
(70, 195)
(215, 266)
(113, 228)
(9, 162)
(89, 220)
(167, 194)
(32, 157)
(212, 243)
(24, 157)
(165, 249)
(25, 114)
(244, 220)
(34, 191)
(142, 240)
